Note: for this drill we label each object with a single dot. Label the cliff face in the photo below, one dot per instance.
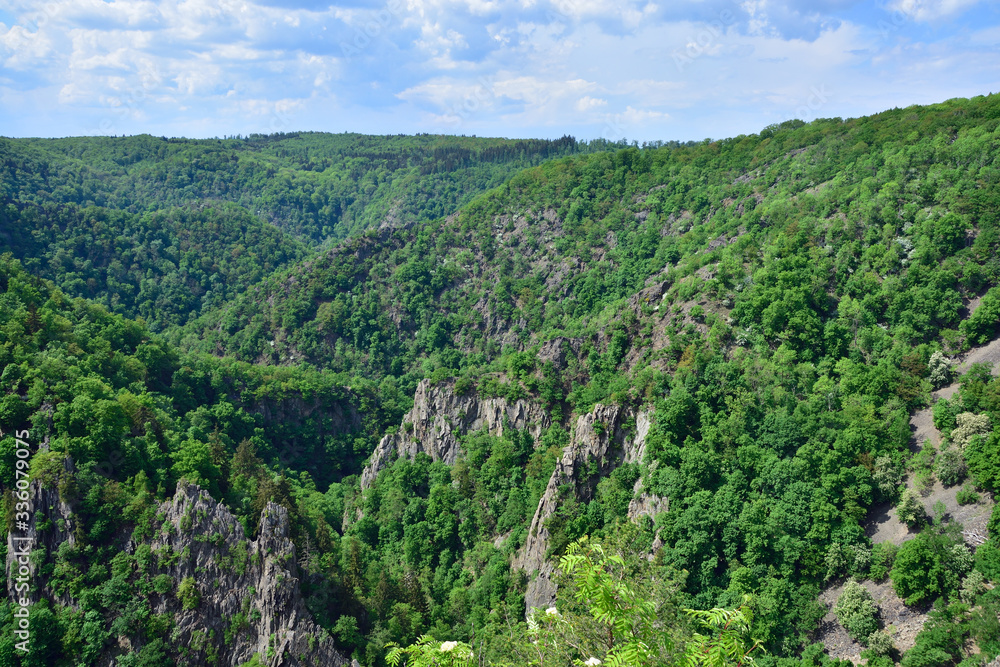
(245, 598)
(56, 527)
(438, 419)
(601, 441)
(252, 584)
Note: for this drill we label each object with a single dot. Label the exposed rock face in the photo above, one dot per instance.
(440, 417)
(248, 588)
(557, 350)
(59, 516)
(233, 575)
(601, 441)
(644, 503)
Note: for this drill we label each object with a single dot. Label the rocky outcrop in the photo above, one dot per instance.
(440, 416)
(50, 524)
(643, 503)
(558, 350)
(243, 597)
(601, 441)
(246, 588)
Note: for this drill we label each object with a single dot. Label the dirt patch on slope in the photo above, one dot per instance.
(900, 621)
(922, 428)
(883, 525)
(988, 354)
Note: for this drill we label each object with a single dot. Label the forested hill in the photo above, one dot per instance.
(162, 228)
(316, 186)
(774, 239)
(704, 358)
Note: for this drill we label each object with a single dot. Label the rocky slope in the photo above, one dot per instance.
(234, 576)
(57, 527)
(245, 599)
(602, 440)
(440, 417)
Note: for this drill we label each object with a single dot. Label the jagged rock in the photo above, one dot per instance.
(58, 516)
(439, 417)
(282, 631)
(646, 504)
(600, 442)
(643, 503)
(651, 296)
(556, 350)
(252, 584)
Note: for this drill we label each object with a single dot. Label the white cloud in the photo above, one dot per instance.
(642, 116)
(586, 103)
(929, 10)
(24, 49)
(502, 67)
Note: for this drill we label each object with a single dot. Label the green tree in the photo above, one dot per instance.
(857, 611)
(429, 652)
(910, 510)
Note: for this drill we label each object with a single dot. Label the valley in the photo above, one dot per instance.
(301, 399)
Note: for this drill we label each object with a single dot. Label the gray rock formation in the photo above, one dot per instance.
(57, 518)
(643, 503)
(246, 589)
(438, 419)
(253, 580)
(600, 442)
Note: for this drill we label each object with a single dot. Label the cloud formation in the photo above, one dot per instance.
(642, 69)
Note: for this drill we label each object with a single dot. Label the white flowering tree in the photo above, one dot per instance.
(614, 611)
(628, 618)
(429, 652)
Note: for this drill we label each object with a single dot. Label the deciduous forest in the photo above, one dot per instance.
(308, 398)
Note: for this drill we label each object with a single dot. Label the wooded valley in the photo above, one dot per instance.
(310, 398)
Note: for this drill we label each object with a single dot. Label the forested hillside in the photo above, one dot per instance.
(163, 228)
(691, 367)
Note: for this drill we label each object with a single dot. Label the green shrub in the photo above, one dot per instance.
(983, 463)
(981, 325)
(988, 560)
(916, 573)
(883, 557)
(857, 612)
(910, 510)
(163, 583)
(929, 566)
(973, 586)
(950, 467)
(880, 644)
(945, 412)
(850, 559)
(967, 496)
(187, 593)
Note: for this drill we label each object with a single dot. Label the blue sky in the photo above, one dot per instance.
(634, 69)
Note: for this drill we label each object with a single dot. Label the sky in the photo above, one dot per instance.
(616, 69)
